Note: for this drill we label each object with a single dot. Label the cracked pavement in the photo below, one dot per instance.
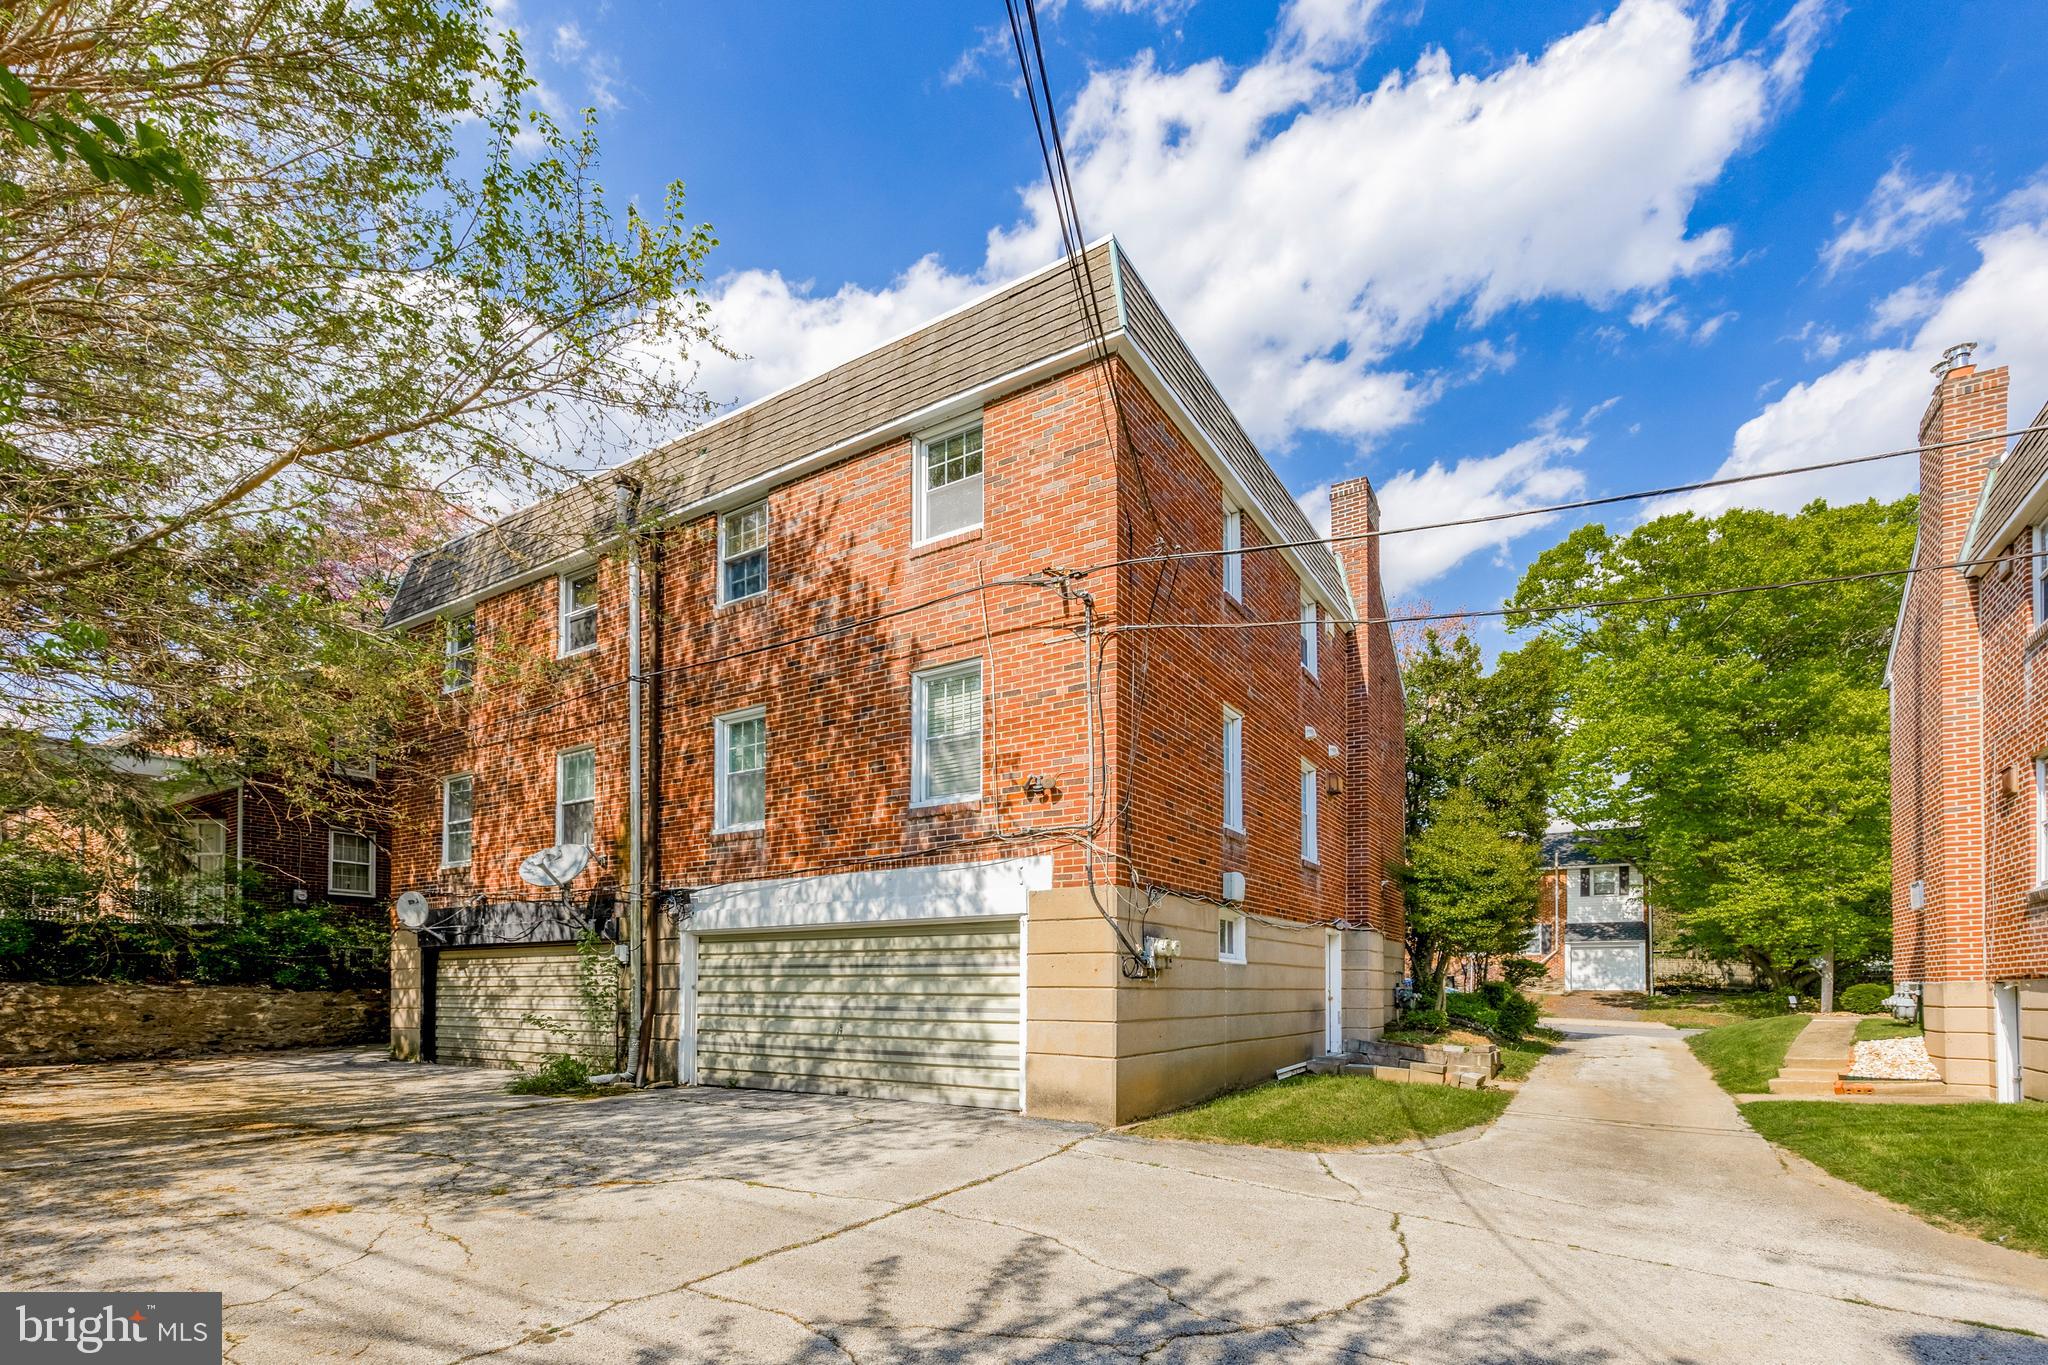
(348, 1207)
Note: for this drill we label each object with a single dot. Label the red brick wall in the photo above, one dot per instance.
(287, 849)
(2015, 731)
(1376, 747)
(838, 709)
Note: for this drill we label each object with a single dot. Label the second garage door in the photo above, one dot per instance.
(486, 998)
(930, 1013)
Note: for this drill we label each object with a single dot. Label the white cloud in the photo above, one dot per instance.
(1900, 211)
(1907, 304)
(1873, 402)
(1530, 473)
(569, 41)
(1302, 228)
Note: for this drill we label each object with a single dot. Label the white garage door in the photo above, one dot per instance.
(483, 997)
(1603, 966)
(929, 1013)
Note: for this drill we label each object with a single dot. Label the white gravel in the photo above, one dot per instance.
(1894, 1059)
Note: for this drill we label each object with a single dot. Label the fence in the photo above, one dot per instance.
(1674, 968)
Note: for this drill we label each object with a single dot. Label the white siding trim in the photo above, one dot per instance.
(991, 890)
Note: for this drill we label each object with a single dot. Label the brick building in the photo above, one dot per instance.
(1970, 744)
(281, 855)
(1593, 918)
(975, 766)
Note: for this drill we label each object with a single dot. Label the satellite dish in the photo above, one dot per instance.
(556, 866)
(412, 909)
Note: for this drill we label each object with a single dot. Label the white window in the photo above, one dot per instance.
(948, 496)
(1310, 804)
(2038, 578)
(458, 668)
(1229, 936)
(1603, 881)
(743, 553)
(364, 768)
(1308, 635)
(1233, 562)
(576, 797)
(2040, 822)
(579, 612)
(351, 864)
(1233, 771)
(945, 734)
(456, 797)
(742, 764)
(206, 843)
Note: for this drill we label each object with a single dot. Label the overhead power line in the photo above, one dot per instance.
(1579, 505)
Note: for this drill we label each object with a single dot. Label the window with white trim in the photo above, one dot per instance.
(2037, 576)
(1230, 936)
(948, 479)
(741, 799)
(945, 734)
(1233, 562)
(576, 797)
(2041, 822)
(206, 844)
(351, 864)
(579, 612)
(457, 794)
(743, 553)
(358, 767)
(1311, 796)
(458, 653)
(1308, 635)
(1233, 771)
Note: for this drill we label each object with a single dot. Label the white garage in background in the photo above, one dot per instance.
(906, 983)
(1606, 966)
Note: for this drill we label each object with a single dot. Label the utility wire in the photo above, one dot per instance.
(1548, 509)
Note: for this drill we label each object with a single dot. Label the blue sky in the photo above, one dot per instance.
(1489, 254)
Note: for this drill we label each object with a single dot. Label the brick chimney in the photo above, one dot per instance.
(1375, 750)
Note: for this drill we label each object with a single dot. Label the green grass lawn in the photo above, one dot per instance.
(1517, 1060)
(1869, 1030)
(1980, 1167)
(1705, 1009)
(1327, 1113)
(1744, 1056)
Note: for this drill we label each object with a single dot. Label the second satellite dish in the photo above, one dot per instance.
(556, 866)
(412, 909)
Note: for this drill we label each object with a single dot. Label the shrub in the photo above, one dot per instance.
(1865, 998)
(1521, 971)
(557, 1074)
(1422, 1022)
(1497, 1010)
(1495, 992)
(317, 947)
(1518, 1016)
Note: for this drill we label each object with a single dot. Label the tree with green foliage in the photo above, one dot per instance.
(383, 281)
(1481, 748)
(1742, 737)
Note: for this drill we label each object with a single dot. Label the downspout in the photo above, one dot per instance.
(651, 949)
(626, 496)
(241, 789)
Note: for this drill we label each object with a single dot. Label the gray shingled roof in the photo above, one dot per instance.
(2017, 475)
(1034, 319)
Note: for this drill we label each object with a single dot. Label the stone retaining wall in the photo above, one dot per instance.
(106, 1023)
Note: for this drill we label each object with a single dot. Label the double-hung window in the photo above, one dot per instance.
(1233, 561)
(2041, 822)
(1308, 635)
(742, 770)
(743, 553)
(1229, 936)
(351, 864)
(207, 845)
(458, 652)
(948, 483)
(457, 794)
(576, 797)
(945, 725)
(579, 612)
(1310, 804)
(1233, 771)
(2037, 574)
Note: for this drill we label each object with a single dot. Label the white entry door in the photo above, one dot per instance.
(1333, 992)
(2005, 1001)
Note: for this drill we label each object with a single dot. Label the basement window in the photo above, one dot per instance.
(1230, 936)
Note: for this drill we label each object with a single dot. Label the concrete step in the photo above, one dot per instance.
(1780, 1085)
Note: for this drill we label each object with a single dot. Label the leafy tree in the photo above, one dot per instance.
(1480, 752)
(1744, 737)
(383, 282)
(1470, 887)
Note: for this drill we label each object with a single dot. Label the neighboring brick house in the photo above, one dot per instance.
(1593, 919)
(1969, 738)
(283, 856)
(929, 811)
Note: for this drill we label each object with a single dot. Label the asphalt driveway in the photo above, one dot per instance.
(353, 1208)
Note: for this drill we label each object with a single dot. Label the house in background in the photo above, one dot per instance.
(1593, 921)
(247, 834)
(1006, 739)
(1969, 738)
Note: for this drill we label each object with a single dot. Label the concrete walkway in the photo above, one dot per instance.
(1818, 1056)
(351, 1208)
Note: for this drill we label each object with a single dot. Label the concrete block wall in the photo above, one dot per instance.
(408, 996)
(2034, 1039)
